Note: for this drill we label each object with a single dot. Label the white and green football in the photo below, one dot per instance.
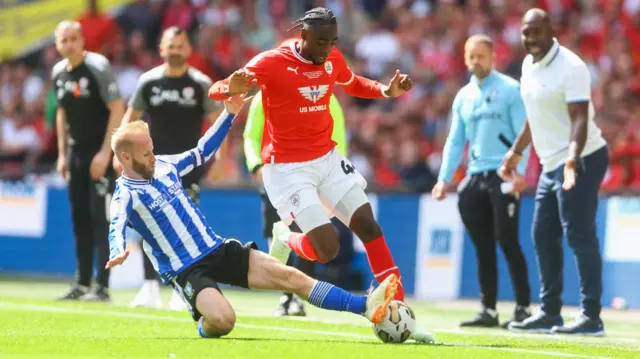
(398, 324)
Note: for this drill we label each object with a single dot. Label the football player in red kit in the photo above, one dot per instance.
(305, 177)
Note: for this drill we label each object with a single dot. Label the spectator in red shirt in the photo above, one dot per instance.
(200, 58)
(179, 13)
(99, 30)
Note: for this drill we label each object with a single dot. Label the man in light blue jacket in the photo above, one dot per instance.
(488, 114)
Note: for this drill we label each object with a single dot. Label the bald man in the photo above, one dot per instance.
(488, 114)
(556, 90)
(89, 109)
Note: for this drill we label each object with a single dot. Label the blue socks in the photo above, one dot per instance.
(328, 296)
(201, 330)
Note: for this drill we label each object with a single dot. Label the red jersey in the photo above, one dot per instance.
(296, 95)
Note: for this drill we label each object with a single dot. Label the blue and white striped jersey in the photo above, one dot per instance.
(175, 234)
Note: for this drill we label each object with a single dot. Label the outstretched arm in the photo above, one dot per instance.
(255, 72)
(358, 86)
(363, 87)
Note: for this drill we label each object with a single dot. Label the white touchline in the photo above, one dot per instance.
(44, 308)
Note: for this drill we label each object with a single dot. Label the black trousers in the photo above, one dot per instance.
(90, 201)
(491, 216)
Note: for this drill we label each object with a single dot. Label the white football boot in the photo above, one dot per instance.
(379, 299)
(422, 336)
(148, 296)
(279, 248)
(296, 307)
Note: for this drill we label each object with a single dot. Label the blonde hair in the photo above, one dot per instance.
(122, 138)
(481, 39)
(63, 25)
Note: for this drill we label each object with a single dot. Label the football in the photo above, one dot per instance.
(397, 325)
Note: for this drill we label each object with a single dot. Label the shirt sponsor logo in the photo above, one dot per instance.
(487, 116)
(78, 88)
(182, 98)
(312, 74)
(313, 94)
(167, 196)
(317, 108)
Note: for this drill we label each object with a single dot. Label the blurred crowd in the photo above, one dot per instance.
(393, 143)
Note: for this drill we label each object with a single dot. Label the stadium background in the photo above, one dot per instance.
(396, 145)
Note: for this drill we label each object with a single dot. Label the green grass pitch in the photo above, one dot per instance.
(33, 326)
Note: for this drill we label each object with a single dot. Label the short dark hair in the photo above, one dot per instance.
(315, 16)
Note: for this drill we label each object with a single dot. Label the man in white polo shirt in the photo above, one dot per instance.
(556, 90)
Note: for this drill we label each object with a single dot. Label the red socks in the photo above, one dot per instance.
(378, 253)
(300, 244)
(382, 263)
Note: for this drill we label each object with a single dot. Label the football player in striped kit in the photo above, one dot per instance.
(151, 200)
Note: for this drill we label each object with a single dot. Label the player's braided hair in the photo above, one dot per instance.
(315, 16)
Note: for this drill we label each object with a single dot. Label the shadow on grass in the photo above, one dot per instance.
(255, 339)
(497, 346)
(343, 341)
